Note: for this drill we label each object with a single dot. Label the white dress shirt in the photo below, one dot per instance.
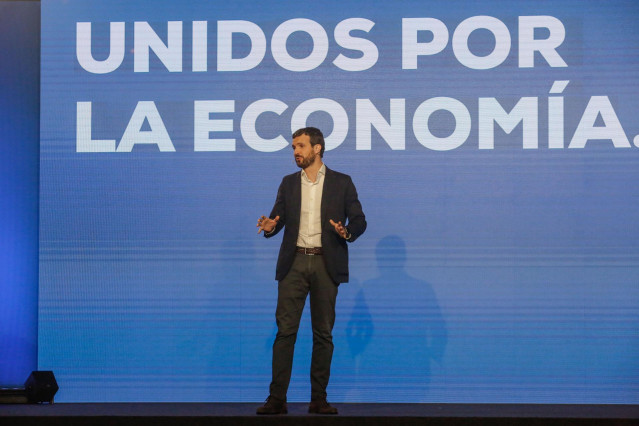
(310, 232)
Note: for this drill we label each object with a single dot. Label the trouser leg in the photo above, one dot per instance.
(291, 296)
(323, 294)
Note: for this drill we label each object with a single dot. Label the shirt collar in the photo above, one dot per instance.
(320, 172)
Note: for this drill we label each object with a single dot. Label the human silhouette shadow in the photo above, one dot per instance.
(396, 331)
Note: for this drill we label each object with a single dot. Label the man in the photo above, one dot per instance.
(313, 207)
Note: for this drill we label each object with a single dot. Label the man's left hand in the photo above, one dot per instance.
(340, 229)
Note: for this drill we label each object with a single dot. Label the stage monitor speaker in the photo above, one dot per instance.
(41, 387)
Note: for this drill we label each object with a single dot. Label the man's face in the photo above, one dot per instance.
(305, 154)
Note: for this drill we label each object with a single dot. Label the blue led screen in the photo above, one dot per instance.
(493, 146)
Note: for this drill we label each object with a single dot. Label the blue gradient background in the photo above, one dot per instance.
(506, 275)
(19, 160)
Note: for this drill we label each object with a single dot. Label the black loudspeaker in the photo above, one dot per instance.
(41, 387)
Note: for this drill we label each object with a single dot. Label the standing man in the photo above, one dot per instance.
(313, 207)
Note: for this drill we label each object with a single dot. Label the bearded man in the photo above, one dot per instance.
(320, 213)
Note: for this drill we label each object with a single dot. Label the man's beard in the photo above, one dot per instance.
(306, 161)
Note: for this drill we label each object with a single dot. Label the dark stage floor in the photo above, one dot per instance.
(186, 414)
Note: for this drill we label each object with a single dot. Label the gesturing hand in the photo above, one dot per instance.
(266, 224)
(340, 229)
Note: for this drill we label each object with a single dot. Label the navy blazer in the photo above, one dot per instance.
(339, 203)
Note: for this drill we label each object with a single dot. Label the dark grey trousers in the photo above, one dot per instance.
(308, 275)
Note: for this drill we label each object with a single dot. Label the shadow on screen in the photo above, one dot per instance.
(395, 331)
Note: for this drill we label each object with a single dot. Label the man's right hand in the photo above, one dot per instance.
(266, 224)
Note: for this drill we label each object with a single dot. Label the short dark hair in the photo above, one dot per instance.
(315, 136)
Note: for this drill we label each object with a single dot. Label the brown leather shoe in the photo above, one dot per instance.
(273, 406)
(321, 407)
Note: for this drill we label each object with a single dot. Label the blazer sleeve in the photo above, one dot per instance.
(279, 209)
(356, 218)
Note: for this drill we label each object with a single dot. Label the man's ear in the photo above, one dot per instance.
(317, 148)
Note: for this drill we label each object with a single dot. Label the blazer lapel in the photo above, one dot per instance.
(296, 195)
(328, 179)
